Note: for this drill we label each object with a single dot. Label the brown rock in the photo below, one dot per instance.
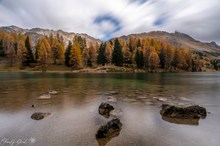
(183, 111)
(104, 109)
(39, 115)
(107, 132)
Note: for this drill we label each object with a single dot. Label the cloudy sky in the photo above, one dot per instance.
(105, 19)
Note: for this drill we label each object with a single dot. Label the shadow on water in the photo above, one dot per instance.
(194, 122)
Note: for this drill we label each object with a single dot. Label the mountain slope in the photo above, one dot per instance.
(180, 40)
(36, 33)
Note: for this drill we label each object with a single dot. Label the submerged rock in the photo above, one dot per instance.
(183, 111)
(107, 132)
(111, 99)
(104, 109)
(39, 115)
(184, 99)
(5, 92)
(45, 96)
(111, 93)
(116, 112)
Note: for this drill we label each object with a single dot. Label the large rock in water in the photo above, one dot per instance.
(105, 109)
(39, 115)
(183, 111)
(107, 132)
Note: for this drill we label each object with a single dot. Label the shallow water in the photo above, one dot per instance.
(74, 117)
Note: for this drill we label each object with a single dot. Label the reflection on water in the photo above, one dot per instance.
(74, 118)
(182, 121)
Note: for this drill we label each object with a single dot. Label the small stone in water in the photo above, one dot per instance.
(113, 92)
(184, 98)
(53, 92)
(141, 97)
(162, 99)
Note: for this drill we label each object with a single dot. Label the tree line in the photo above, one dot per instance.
(149, 54)
(143, 53)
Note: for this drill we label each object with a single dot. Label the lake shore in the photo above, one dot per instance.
(98, 69)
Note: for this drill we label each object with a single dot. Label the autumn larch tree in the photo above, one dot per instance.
(154, 60)
(22, 53)
(169, 56)
(44, 53)
(117, 55)
(81, 41)
(85, 57)
(127, 55)
(57, 51)
(75, 56)
(177, 58)
(10, 49)
(92, 56)
(147, 53)
(188, 59)
(132, 44)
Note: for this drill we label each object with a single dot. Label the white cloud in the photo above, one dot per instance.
(199, 18)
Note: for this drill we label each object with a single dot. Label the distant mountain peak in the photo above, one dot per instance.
(213, 44)
(37, 33)
(178, 39)
(183, 35)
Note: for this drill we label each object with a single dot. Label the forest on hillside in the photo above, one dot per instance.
(141, 53)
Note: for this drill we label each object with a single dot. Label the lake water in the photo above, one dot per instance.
(74, 118)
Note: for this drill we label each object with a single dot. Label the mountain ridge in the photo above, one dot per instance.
(36, 33)
(177, 38)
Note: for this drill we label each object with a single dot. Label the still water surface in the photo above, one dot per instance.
(74, 117)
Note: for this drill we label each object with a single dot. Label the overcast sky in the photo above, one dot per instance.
(105, 19)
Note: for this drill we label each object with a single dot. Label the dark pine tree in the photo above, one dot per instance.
(142, 59)
(138, 43)
(30, 57)
(101, 58)
(67, 54)
(162, 57)
(2, 50)
(117, 55)
(139, 58)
